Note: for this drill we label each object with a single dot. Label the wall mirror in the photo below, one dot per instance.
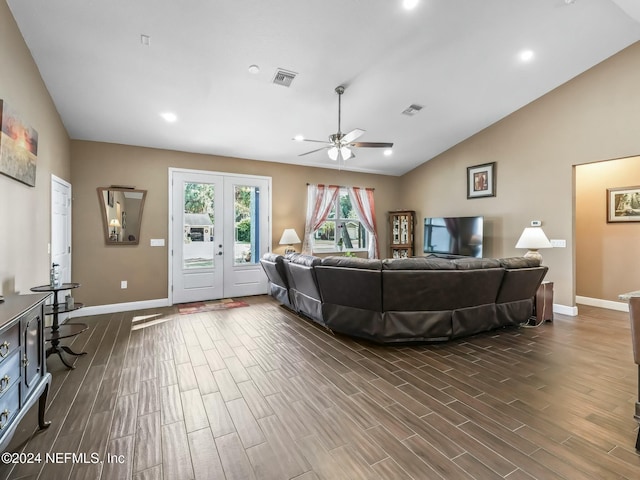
(121, 209)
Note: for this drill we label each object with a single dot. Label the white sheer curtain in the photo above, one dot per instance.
(320, 199)
(362, 202)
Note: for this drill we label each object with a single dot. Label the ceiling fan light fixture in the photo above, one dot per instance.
(410, 4)
(333, 153)
(346, 153)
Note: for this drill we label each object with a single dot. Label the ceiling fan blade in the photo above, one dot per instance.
(314, 151)
(371, 144)
(310, 140)
(352, 135)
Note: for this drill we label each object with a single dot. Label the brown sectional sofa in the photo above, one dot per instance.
(406, 300)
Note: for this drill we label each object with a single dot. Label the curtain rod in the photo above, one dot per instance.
(340, 186)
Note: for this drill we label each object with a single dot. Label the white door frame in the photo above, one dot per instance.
(173, 170)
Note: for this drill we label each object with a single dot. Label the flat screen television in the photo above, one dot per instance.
(453, 236)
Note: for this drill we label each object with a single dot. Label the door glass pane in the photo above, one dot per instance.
(199, 221)
(246, 207)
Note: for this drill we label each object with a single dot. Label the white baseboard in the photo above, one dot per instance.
(597, 302)
(121, 307)
(565, 310)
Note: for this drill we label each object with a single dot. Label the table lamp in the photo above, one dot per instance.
(533, 238)
(289, 237)
(114, 223)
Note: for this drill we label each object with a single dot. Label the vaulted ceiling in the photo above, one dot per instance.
(114, 67)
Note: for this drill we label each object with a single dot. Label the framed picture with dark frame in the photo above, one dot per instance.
(110, 198)
(623, 204)
(481, 180)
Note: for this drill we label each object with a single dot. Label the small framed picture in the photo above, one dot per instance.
(623, 204)
(481, 180)
(110, 198)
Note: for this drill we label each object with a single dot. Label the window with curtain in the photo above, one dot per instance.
(342, 230)
(340, 219)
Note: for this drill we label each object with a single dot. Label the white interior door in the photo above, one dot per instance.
(219, 230)
(61, 229)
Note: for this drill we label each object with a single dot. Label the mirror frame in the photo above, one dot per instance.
(105, 220)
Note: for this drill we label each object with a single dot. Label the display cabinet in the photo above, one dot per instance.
(23, 371)
(401, 227)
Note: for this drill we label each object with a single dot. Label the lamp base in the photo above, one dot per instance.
(534, 254)
(289, 249)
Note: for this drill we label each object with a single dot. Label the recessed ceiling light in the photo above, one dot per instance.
(410, 4)
(254, 69)
(169, 117)
(526, 55)
(388, 152)
(298, 138)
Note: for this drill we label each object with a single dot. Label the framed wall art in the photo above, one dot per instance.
(481, 180)
(18, 146)
(623, 204)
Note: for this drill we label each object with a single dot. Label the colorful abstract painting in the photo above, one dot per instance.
(18, 147)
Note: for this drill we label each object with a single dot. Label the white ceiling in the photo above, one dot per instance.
(457, 58)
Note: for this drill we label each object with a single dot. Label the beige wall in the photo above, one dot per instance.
(100, 268)
(606, 253)
(595, 116)
(25, 211)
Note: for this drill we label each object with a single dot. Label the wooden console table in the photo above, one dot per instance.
(23, 370)
(57, 332)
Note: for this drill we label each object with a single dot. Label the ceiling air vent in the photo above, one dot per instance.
(284, 77)
(412, 109)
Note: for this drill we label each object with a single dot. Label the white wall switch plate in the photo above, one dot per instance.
(123, 284)
(157, 242)
(558, 243)
(536, 223)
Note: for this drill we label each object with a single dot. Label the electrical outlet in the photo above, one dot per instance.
(536, 223)
(123, 284)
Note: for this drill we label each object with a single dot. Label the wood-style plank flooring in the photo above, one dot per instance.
(258, 393)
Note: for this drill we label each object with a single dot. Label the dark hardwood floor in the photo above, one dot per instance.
(258, 393)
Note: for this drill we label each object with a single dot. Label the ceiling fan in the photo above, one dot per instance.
(339, 145)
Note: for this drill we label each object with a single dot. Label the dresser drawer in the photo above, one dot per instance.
(9, 372)
(9, 405)
(9, 341)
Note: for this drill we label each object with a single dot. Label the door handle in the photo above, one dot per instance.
(219, 253)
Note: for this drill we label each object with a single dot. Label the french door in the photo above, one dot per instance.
(219, 230)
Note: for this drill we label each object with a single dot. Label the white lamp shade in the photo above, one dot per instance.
(114, 222)
(533, 238)
(289, 237)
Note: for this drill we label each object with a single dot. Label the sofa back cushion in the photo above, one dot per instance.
(351, 282)
(520, 283)
(471, 263)
(412, 290)
(418, 263)
(273, 266)
(301, 275)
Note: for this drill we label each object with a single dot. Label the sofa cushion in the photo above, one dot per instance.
(475, 263)
(418, 263)
(352, 262)
(519, 262)
(302, 259)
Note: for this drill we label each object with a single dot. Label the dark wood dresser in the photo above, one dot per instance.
(23, 369)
